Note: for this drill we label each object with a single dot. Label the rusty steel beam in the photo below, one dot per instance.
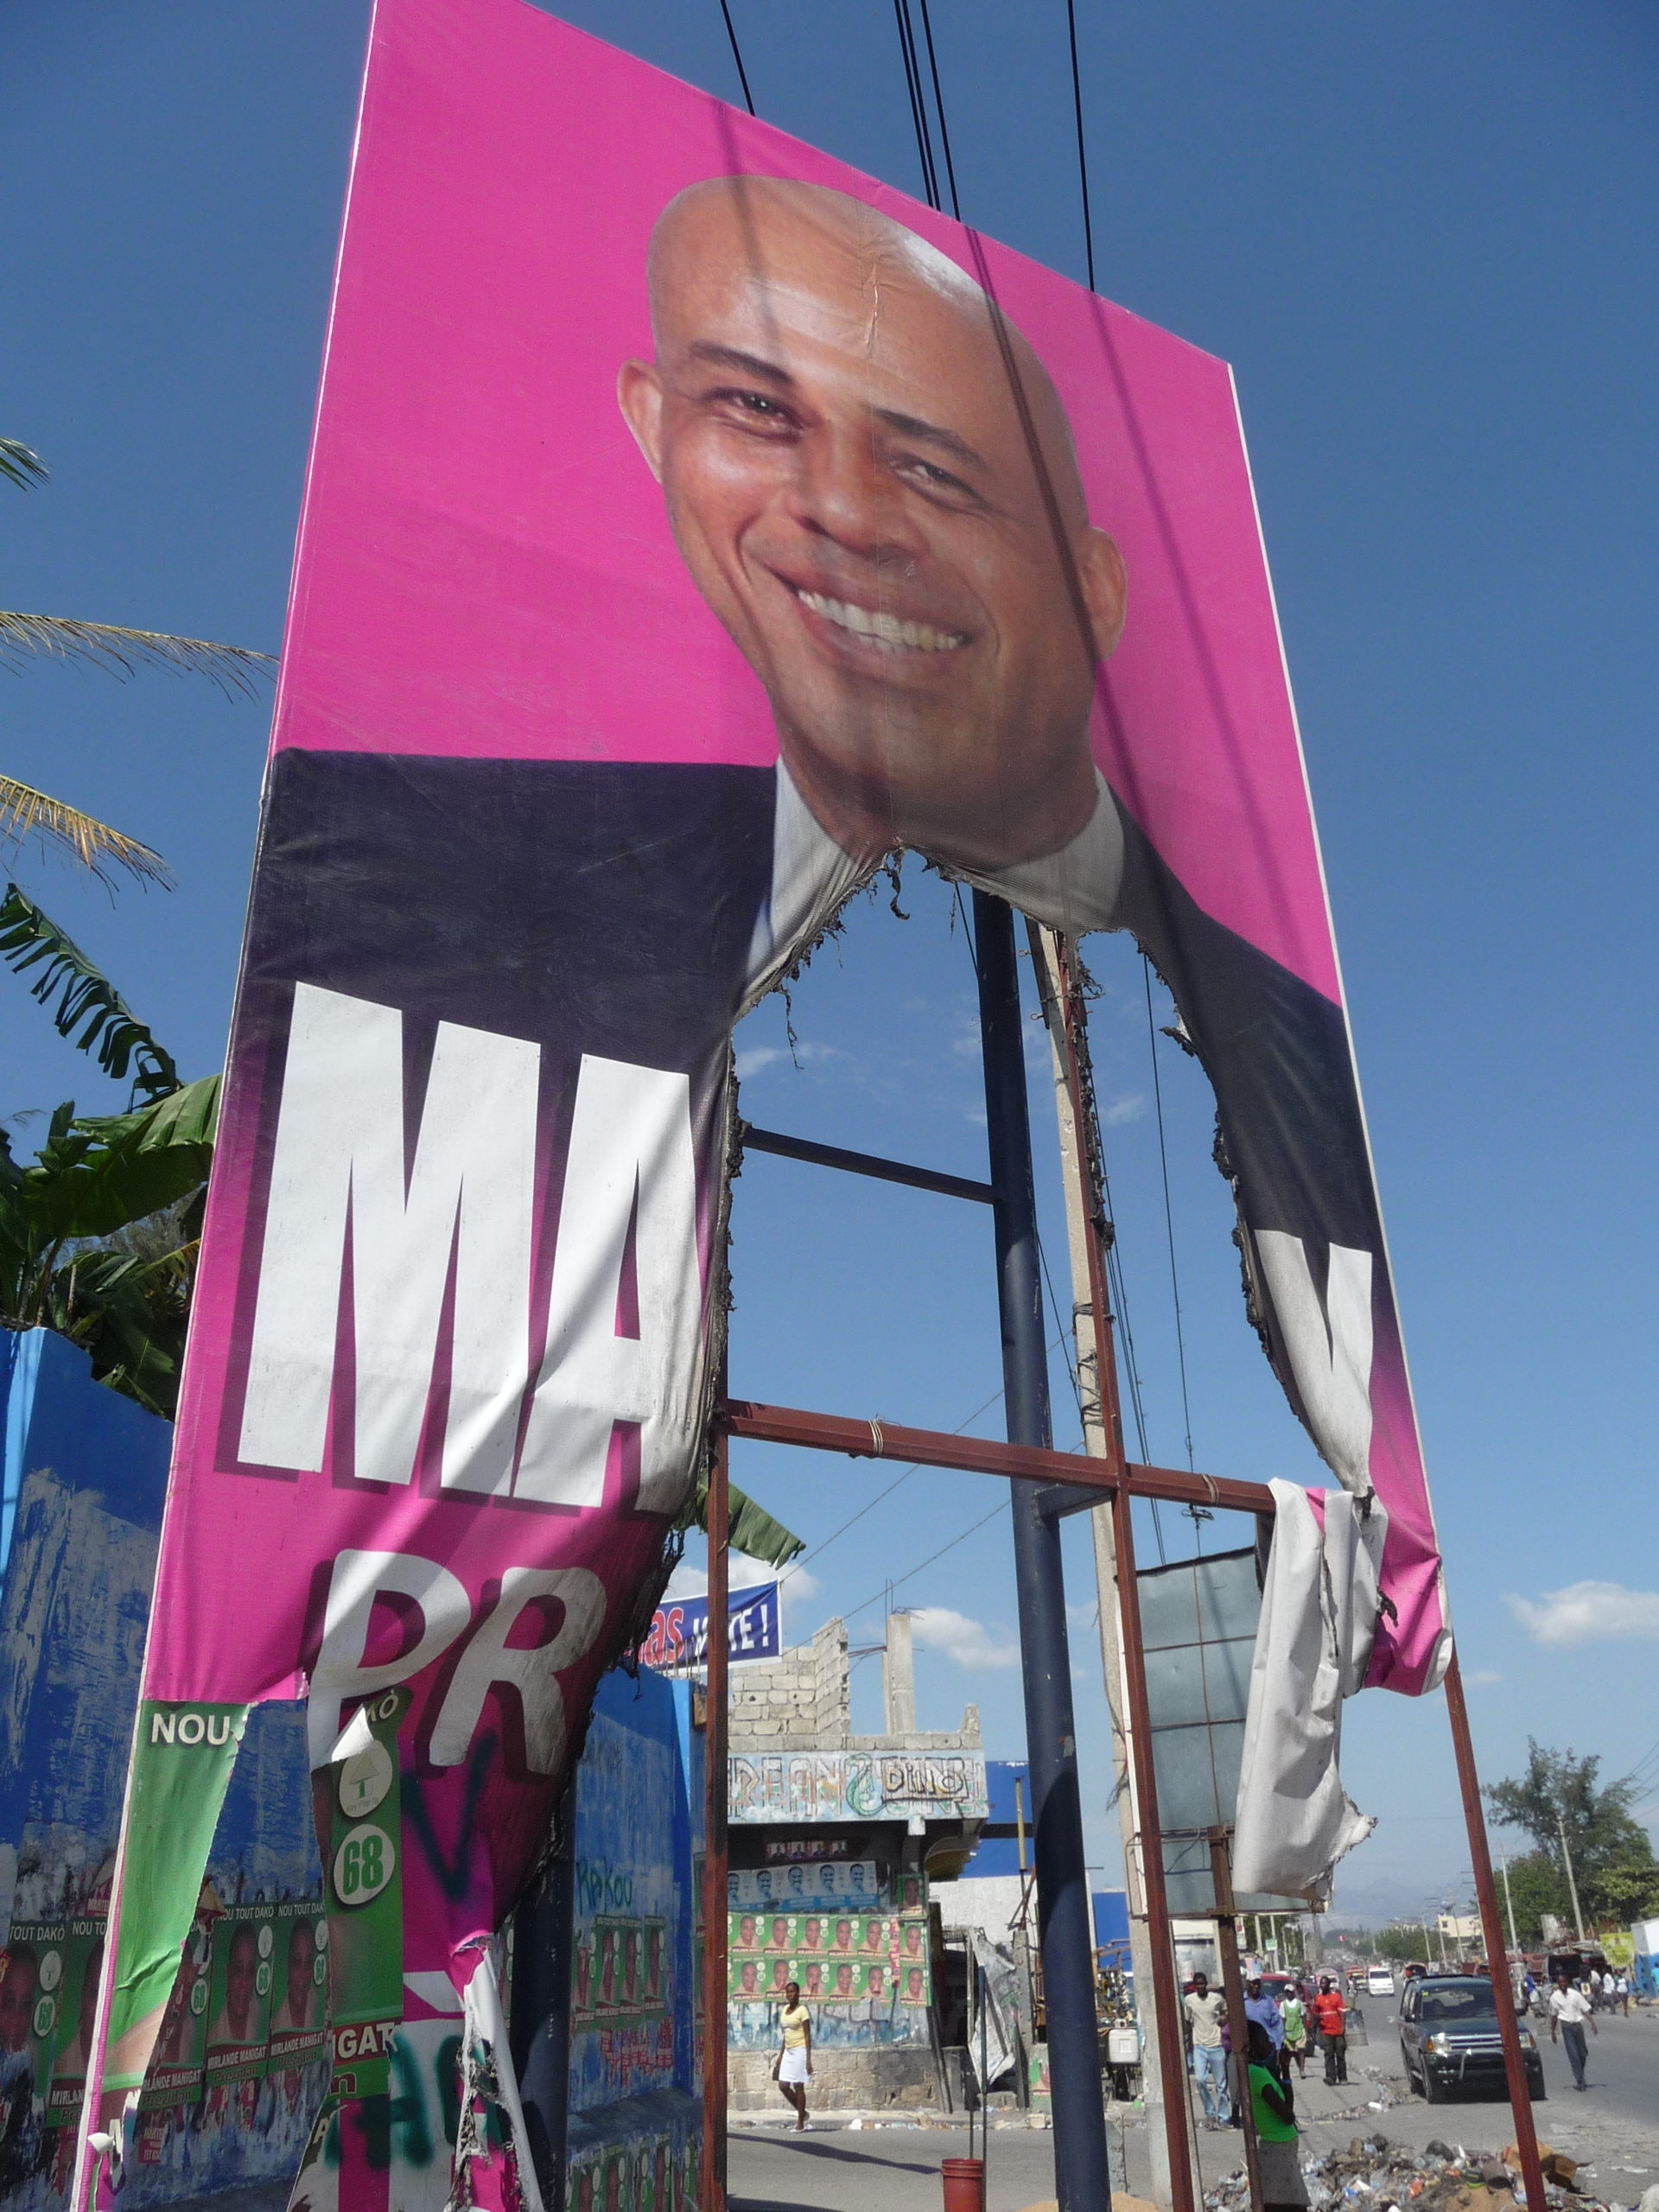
(711, 2191)
(983, 1455)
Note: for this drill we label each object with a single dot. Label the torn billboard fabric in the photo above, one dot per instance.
(1313, 1644)
(690, 523)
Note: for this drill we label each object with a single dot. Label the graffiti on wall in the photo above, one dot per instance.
(856, 1786)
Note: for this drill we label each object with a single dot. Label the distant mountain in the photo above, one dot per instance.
(1374, 1902)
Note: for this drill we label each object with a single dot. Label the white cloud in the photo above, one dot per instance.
(799, 1584)
(1481, 1678)
(756, 1057)
(690, 1577)
(1588, 1612)
(969, 1642)
(1129, 1107)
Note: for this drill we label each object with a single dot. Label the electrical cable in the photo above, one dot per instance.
(816, 1550)
(1065, 1336)
(918, 110)
(910, 1572)
(1083, 159)
(939, 102)
(742, 74)
(1169, 1216)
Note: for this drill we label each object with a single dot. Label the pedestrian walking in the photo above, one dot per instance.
(1273, 2107)
(1569, 2009)
(1622, 1990)
(792, 2068)
(1205, 2010)
(1330, 2011)
(1261, 2011)
(1295, 2019)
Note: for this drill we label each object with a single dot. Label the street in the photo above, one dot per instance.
(893, 2165)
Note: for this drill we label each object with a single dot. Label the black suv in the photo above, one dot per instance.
(1449, 2038)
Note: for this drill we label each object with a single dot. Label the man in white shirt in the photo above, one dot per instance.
(1570, 2010)
(1205, 2008)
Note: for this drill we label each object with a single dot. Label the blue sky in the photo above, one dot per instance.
(1425, 236)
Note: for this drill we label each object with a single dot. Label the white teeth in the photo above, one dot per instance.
(884, 630)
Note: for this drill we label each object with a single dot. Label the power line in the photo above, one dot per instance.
(939, 102)
(894, 1582)
(1083, 159)
(742, 74)
(1169, 1216)
(917, 107)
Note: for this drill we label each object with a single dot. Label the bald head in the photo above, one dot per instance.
(873, 480)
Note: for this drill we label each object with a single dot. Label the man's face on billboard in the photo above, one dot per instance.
(874, 488)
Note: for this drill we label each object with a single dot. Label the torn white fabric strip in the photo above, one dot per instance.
(1294, 1820)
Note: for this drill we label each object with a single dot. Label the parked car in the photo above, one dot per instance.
(1379, 1981)
(1449, 2038)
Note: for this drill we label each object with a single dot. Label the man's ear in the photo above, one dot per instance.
(1105, 584)
(639, 395)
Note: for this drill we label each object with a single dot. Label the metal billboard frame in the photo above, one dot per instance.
(1047, 1486)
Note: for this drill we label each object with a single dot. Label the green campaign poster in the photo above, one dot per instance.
(239, 1989)
(31, 1997)
(364, 1896)
(83, 1962)
(176, 2069)
(298, 2026)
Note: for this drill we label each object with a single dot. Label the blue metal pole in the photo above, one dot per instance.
(1082, 2179)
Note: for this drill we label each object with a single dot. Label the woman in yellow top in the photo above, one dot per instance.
(794, 2067)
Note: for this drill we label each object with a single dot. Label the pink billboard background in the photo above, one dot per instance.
(485, 569)
(485, 574)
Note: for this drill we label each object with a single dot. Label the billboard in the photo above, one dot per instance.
(691, 522)
(679, 1629)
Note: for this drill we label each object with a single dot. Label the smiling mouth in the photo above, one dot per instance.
(889, 631)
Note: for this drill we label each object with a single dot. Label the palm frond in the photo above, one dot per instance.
(90, 1011)
(25, 812)
(98, 1173)
(235, 668)
(20, 464)
(750, 1529)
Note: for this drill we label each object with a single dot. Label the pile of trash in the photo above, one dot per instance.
(1373, 2175)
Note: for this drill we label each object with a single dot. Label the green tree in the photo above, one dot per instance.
(1609, 1847)
(1536, 1886)
(1402, 1939)
(98, 1231)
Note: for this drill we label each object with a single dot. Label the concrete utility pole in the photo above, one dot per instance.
(898, 1677)
(1571, 1884)
(1111, 1630)
(1503, 1861)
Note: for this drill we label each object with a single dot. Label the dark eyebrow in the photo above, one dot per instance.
(912, 426)
(732, 357)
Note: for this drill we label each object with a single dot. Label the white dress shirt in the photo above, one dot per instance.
(1072, 890)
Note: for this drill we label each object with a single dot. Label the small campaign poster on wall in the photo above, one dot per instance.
(31, 1995)
(300, 1960)
(238, 1998)
(176, 2071)
(83, 1960)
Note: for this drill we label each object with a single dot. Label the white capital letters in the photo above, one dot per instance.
(532, 1673)
(358, 1580)
(631, 1161)
(1329, 1348)
(340, 1151)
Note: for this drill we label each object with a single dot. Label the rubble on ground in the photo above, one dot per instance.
(1373, 2175)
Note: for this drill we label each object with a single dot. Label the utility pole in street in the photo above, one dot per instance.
(1572, 1884)
(1503, 1861)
